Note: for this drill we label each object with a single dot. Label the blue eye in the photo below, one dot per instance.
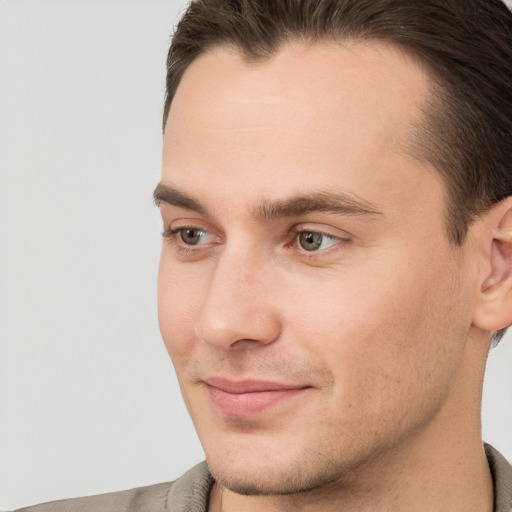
(312, 241)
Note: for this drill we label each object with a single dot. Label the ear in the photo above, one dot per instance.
(494, 308)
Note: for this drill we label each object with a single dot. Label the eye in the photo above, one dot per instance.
(191, 236)
(313, 241)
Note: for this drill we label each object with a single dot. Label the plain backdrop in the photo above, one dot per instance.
(88, 398)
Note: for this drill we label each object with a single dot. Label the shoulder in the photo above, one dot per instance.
(189, 493)
(140, 499)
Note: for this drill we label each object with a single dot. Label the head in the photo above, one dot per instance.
(333, 175)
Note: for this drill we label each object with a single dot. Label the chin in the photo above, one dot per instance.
(274, 475)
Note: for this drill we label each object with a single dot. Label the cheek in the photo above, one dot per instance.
(180, 297)
(384, 329)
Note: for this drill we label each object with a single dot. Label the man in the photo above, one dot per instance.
(336, 200)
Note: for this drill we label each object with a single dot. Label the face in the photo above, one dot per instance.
(306, 284)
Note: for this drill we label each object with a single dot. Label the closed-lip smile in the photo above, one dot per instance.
(249, 397)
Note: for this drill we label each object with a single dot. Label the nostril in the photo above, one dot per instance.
(245, 344)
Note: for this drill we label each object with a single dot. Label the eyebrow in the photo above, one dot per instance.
(325, 202)
(170, 195)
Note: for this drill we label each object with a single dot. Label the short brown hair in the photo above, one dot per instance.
(466, 46)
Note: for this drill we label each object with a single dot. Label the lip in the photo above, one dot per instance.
(248, 397)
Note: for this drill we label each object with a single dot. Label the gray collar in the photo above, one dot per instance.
(501, 472)
(191, 492)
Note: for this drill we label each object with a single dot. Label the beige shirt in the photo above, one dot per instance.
(190, 493)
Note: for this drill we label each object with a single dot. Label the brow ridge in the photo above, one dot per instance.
(173, 196)
(328, 202)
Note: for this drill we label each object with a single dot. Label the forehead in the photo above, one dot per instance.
(322, 79)
(309, 116)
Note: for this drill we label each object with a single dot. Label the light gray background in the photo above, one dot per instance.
(88, 399)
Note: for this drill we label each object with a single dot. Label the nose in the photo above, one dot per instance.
(238, 312)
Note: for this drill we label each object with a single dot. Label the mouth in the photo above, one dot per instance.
(247, 398)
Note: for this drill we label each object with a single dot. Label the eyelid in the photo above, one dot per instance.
(213, 238)
(177, 226)
(343, 238)
(176, 231)
(321, 230)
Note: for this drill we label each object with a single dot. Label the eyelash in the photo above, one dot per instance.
(296, 231)
(172, 236)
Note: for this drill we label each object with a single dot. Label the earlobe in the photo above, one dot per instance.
(494, 309)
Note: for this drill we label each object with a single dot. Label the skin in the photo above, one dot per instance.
(383, 324)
